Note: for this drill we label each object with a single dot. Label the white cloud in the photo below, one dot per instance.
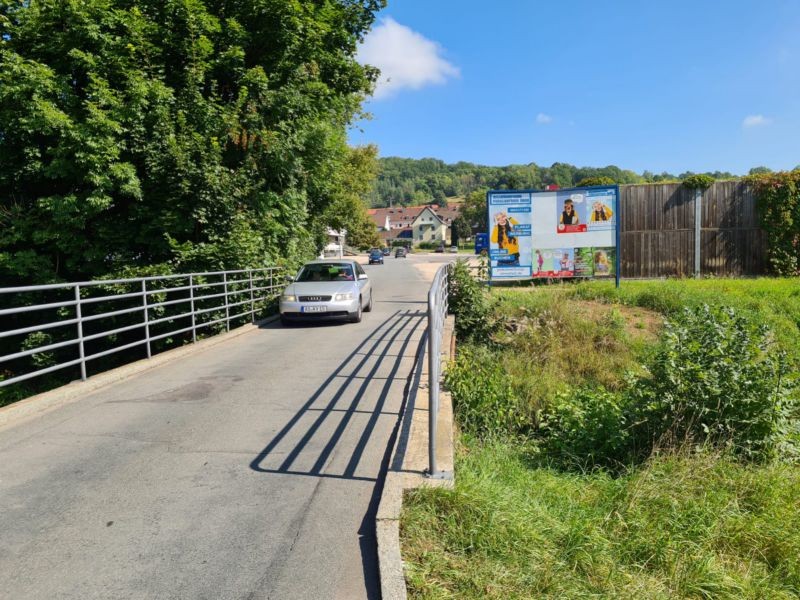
(755, 121)
(543, 119)
(407, 60)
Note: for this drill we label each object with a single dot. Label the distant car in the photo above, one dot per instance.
(400, 253)
(453, 249)
(375, 257)
(327, 289)
(386, 251)
(439, 248)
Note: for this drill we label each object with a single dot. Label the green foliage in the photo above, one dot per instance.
(698, 182)
(682, 526)
(467, 300)
(592, 181)
(759, 171)
(37, 339)
(484, 400)
(778, 202)
(474, 210)
(192, 133)
(587, 429)
(460, 229)
(405, 181)
(716, 378)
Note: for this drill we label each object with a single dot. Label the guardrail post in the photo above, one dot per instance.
(698, 223)
(191, 304)
(252, 302)
(79, 316)
(146, 318)
(227, 307)
(433, 383)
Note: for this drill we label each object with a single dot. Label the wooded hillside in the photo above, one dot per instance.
(406, 181)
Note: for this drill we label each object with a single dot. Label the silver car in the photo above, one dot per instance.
(327, 289)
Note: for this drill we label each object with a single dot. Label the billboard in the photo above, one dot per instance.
(553, 233)
(510, 250)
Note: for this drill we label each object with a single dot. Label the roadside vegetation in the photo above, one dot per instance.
(640, 442)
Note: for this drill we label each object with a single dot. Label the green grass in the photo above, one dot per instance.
(687, 525)
(549, 342)
(682, 527)
(774, 301)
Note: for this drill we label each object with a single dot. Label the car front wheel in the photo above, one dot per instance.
(369, 304)
(356, 316)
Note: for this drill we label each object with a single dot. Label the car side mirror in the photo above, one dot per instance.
(362, 276)
(290, 278)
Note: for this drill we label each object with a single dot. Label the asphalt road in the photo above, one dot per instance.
(248, 470)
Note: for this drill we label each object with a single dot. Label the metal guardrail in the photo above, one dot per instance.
(437, 313)
(242, 288)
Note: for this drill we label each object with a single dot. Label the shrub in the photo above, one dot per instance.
(484, 401)
(715, 378)
(698, 182)
(468, 302)
(593, 181)
(587, 429)
(778, 197)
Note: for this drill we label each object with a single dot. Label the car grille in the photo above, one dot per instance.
(314, 298)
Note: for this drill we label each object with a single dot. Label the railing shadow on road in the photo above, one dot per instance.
(386, 346)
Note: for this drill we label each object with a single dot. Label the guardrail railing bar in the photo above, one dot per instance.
(78, 316)
(34, 328)
(84, 284)
(237, 284)
(21, 309)
(146, 318)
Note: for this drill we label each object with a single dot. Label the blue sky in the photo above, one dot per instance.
(664, 86)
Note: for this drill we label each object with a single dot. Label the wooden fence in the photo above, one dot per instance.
(664, 225)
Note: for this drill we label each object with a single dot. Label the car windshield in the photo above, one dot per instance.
(326, 272)
(374, 252)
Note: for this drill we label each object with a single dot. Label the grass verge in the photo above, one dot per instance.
(688, 523)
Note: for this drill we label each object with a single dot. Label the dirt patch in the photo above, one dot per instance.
(640, 323)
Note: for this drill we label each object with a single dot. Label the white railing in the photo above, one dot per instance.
(200, 300)
(437, 313)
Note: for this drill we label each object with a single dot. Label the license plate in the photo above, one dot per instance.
(315, 309)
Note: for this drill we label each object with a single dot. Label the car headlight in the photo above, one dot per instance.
(348, 296)
(288, 298)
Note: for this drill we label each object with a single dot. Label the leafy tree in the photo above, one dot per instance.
(590, 181)
(460, 229)
(474, 210)
(194, 133)
(759, 171)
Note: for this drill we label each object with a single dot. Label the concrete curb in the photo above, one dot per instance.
(40, 403)
(407, 466)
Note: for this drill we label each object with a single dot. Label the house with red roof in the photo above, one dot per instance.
(416, 224)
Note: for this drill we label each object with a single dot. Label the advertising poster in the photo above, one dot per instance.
(571, 207)
(601, 210)
(604, 261)
(510, 250)
(584, 262)
(554, 262)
